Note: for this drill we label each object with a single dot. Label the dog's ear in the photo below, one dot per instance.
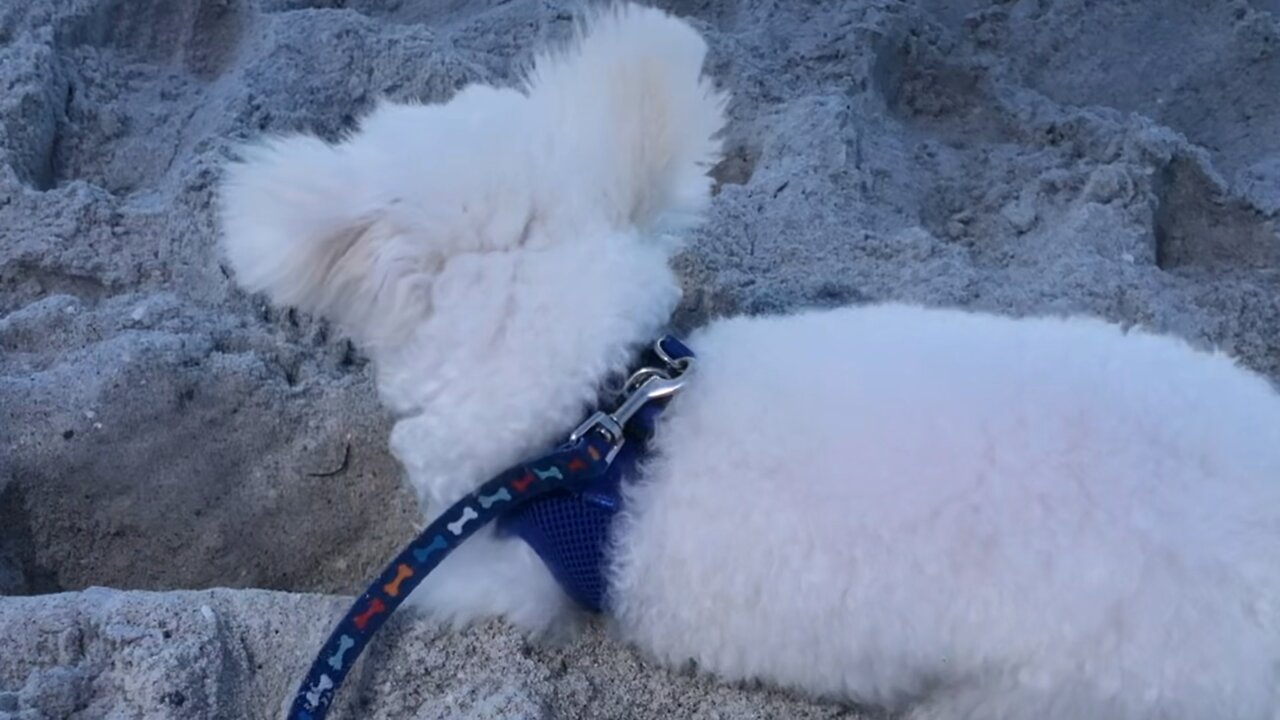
(633, 117)
(294, 226)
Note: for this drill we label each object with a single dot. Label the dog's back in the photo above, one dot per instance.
(1038, 518)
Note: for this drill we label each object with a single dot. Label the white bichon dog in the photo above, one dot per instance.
(960, 515)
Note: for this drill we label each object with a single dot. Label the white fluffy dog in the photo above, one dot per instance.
(962, 515)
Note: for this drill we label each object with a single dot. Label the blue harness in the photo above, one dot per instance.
(569, 528)
(561, 504)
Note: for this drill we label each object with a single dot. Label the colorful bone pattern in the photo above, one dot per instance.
(488, 501)
(323, 685)
(403, 572)
(345, 643)
(468, 514)
(576, 463)
(376, 607)
(523, 483)
(551, 472)
(438, 544)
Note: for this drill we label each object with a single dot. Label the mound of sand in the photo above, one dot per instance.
(161, 431)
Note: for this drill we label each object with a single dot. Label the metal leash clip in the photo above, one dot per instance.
(644, 386)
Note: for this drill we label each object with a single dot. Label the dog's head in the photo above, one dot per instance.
(502, 221)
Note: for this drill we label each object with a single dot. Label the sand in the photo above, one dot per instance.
(222, 466)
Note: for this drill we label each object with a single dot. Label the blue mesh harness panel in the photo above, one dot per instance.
(570, 529)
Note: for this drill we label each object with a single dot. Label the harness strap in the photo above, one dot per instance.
(585, 457)
(571, 530)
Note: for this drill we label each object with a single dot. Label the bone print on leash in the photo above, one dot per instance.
(551, 472)
(438, 544)
(319, 689)
(403, 572)
(468, 515)
(375, 607)
(488, 501)
(345, 643)
(523, 483)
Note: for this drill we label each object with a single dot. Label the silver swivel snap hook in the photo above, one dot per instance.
(645, 385)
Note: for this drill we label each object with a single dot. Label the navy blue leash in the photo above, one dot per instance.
(587, 456)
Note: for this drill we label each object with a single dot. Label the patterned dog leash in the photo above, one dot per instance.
(588, 454)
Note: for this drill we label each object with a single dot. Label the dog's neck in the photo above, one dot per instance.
(501, 372)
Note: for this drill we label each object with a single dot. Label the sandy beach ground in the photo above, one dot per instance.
(191, 483)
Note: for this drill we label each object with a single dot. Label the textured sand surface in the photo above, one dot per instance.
(161, 431)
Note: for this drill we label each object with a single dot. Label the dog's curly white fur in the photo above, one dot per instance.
(966, 515)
